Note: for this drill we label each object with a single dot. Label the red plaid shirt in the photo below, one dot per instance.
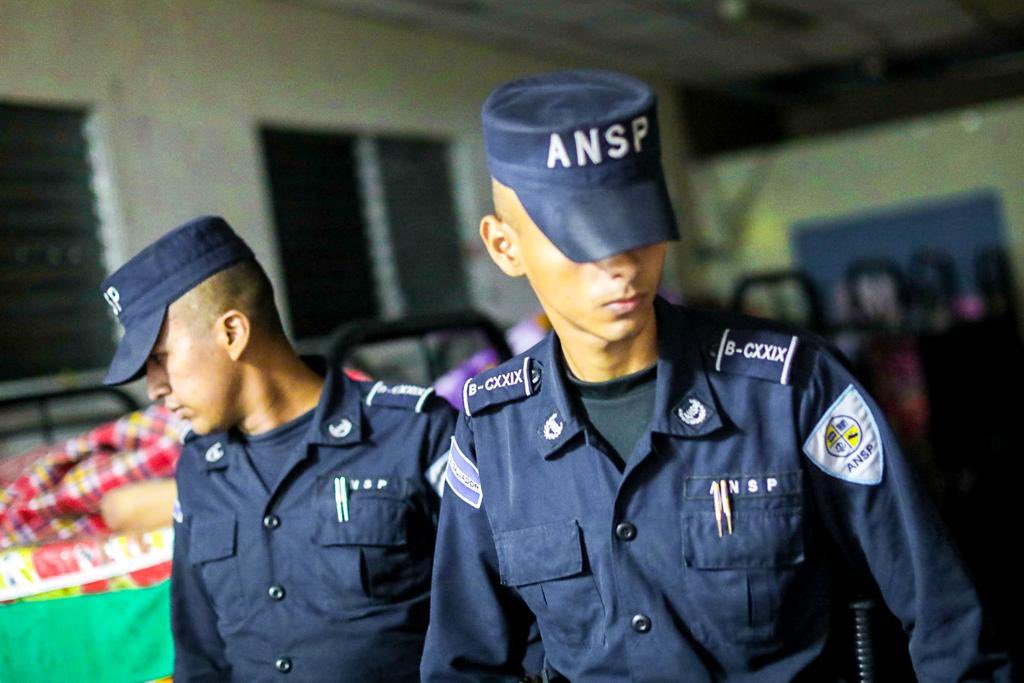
(57, 493)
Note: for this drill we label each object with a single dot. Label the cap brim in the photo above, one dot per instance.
(134, 348)
(593, 224)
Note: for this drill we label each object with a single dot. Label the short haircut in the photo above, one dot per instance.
(244, 287)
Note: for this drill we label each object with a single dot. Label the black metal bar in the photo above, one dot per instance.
(863, 644)
(778, 278)
(350, 335)
(42, 401)
(119, 395)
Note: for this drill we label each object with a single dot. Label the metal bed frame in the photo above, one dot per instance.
(47, 423)
(346, 338)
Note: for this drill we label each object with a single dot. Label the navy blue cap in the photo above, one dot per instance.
(581, 150)
(140, 291)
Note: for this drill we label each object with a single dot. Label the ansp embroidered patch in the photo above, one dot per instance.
(845, 443)
(463, 477)
(745, 485)
(176, 513)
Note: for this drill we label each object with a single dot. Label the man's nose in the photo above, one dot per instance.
(623, 264)
(156, 380)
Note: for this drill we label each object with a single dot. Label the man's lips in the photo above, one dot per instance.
(626, 304)
(180, 411)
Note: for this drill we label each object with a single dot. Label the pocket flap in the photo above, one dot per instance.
(372, 520)
(211, 539)
(539, 553)
(760, 539)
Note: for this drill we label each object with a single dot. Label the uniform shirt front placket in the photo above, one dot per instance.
(646, 535)
(280, 537)
(609, 503)
(242, 494)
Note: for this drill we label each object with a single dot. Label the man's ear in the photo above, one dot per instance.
(502, 243)
(233, 331)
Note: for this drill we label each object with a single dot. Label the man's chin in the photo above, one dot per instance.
(201, 427)
(623, 328)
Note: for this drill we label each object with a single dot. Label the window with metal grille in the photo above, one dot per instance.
(320, 229)
(366, 227)
(422, 225)
(52, 318)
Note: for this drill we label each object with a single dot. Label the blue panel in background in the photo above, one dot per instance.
(960, 226)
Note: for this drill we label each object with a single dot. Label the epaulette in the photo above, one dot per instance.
(752, 352)
(405, 396)
(510, 381)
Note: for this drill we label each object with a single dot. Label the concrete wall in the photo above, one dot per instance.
(883, 166)
(178, 89)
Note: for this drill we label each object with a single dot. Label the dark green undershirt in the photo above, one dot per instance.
(620, 409)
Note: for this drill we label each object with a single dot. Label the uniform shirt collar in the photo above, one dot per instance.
(338, 421)
(556, 417)
(684, 405)
(221, 452)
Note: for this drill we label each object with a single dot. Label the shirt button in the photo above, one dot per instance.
(271, 521)
(625, 531)
(276, 593)
(641, 623)
(283, 664)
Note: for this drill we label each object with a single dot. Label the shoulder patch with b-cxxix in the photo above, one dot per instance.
(407, 396)
(510, 381)
(757, 353)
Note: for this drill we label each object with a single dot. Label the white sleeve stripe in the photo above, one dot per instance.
(464, 460)
(463, 483)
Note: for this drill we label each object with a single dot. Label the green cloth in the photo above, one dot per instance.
(120, 637)
(619, 409)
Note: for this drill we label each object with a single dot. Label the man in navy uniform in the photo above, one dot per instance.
(660, 488)
(305, 529)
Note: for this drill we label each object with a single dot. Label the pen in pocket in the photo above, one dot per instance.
(341, 498)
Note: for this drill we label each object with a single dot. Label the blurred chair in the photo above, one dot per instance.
(440, 350)
(786, 295)
(878, 293)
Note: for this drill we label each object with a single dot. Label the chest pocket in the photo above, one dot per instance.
(548, 565)
(212, 548)
(740, 585)
(375, 546)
